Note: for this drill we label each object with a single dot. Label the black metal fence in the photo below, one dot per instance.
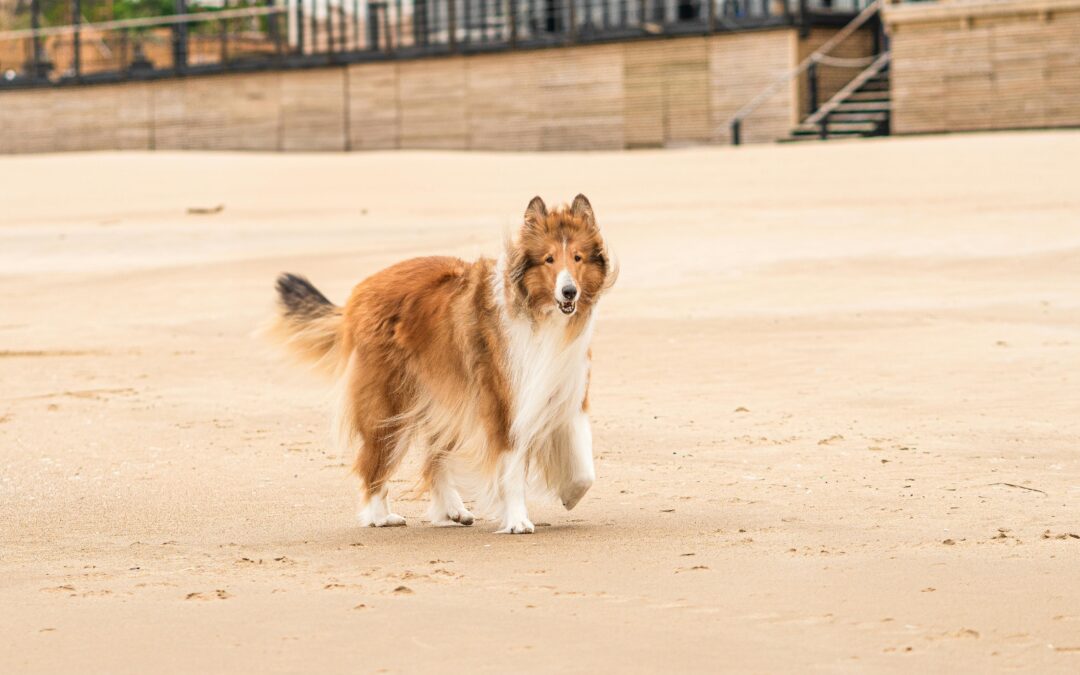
(46, 42)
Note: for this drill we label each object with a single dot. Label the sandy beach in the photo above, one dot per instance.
(835, 399)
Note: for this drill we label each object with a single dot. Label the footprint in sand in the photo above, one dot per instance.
(215, 595)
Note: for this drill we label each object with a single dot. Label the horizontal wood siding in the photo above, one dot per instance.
(986, 65)
(598, 97)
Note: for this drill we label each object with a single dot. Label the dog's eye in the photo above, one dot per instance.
(577, 258)
(549, 260)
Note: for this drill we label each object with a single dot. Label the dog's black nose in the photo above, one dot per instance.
(569, 292)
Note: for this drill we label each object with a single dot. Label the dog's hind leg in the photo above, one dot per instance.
(378, 458)
(579, 473)
(446, 508)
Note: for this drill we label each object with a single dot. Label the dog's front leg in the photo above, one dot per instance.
(515, 516)
(580, 473)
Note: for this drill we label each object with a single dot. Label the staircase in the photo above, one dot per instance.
(860, 109)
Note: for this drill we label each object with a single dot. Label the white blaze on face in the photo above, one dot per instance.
(567, 305)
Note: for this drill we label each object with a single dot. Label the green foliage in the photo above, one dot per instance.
(136, 9)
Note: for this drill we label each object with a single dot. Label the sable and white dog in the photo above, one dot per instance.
(484, 365)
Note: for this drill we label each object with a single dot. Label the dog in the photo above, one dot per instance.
(483, 365)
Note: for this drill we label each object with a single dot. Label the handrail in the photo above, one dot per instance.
(839, 97)
(736, 121)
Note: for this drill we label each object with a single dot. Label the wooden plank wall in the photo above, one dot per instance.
(1000, 65)
(739, 69)
(632, 94)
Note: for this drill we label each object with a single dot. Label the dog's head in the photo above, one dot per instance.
(558, 263)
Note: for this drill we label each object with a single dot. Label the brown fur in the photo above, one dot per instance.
(427, 334)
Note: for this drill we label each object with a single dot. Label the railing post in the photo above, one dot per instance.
(812, 87)
(373, 27)
(823, 127)
(572, 32)
(224, 39)
(736, 131)
(39, 68)
(451, 24)
(356, 25)
(300, 27)
(712, 16)
(273, 26)
(180, 38)
(804, 18)
(330, 46)
(76, 38)
(511, 6)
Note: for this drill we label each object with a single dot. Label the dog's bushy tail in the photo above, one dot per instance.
(307, 324)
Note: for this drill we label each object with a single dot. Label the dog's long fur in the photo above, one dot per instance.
(484, 365)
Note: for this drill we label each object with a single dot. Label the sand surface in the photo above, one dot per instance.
(836, 402)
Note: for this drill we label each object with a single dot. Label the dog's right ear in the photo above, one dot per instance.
(536, 213)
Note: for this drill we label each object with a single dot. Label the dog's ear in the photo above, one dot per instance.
(583, 209)
(536, 213)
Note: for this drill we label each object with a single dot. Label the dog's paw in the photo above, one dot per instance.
(389, 520)
(572, 493)
(519, 526)
(453, 517)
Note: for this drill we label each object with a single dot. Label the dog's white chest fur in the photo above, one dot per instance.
(548, 376)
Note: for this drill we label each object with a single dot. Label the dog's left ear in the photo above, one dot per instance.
(583, 209)
(536, 213)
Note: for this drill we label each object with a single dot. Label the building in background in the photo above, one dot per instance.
(526, 74)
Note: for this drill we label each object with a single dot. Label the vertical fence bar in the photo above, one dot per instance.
(224, 38)
(76, 38)
(273, 24)
(37, 61)
(343, 27)
(329, 26)
(388, 36)
(300, 27)
(356, 24)
(180, 38)
(123, 50)
(512, 9)
(399, 22)
(467, 20)
(451, 24)
(812, 87)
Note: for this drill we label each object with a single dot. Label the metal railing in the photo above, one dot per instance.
(77, 41)
(809, 67)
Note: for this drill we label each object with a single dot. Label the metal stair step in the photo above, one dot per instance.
(863, 106)
(869, 96)
(858, 116)
(875, 86)
(839, 127)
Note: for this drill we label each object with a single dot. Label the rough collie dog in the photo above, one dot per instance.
(483, 365)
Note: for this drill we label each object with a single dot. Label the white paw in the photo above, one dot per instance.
(389, 520)
(572, 493)
(453, 516)
(518, 526)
